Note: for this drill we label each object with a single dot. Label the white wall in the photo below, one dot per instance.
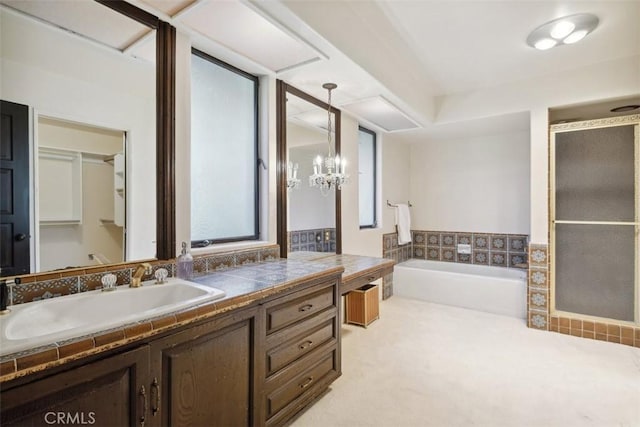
(307, 208)
(476, 184)
(607, 80)
(393, 185)
(65, 77)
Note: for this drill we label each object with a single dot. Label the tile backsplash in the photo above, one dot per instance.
(496, 249)
(37, 287)
(315, 240)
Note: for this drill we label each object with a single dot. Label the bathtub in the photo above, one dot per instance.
(496, 290)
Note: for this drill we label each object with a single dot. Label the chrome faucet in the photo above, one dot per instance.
(141, 270)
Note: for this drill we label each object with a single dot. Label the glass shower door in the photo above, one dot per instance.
(595, 221)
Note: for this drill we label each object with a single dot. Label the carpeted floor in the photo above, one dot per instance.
(424, 364)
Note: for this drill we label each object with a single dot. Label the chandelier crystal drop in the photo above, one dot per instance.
(329, 172)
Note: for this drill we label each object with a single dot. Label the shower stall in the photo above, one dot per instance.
(594, 219)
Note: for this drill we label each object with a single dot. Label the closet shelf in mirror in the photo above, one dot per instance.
(107, 221)
(50, 222)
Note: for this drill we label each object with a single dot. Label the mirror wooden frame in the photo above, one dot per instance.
(165, 123)
(282, 89)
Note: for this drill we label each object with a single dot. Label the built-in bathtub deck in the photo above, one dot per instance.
(492, 289)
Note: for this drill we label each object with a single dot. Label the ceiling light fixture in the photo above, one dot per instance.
(566, 30)
(625, 108)
(325, 181)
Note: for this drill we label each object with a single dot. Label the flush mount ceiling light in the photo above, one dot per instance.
(625, 108)
(566, 30)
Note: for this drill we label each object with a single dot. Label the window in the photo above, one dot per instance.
(224, 152)
(367, 177)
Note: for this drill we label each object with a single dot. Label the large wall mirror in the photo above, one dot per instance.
(308, 220)
(83, 151)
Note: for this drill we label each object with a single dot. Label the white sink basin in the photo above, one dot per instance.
(45, 322)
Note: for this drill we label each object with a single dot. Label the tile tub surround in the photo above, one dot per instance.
(243, 286)
(498, 250)
(307, 240)
(391, 249)
(36, 287)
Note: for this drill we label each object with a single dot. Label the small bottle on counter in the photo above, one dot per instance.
(184, 264)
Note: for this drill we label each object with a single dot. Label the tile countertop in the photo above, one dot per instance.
(356, 267)
(242, 285)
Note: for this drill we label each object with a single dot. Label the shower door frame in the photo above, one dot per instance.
(630, 120)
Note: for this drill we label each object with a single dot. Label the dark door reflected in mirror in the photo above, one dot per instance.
(84, 75)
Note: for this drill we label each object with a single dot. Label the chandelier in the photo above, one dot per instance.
(293, 182)
(333, 175)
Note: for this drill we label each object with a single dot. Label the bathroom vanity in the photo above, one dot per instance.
(258, 356)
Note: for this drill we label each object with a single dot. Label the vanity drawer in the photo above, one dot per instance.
(278, 399)
(301, 345)
(300, 308)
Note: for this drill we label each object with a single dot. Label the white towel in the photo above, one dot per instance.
(403, 221)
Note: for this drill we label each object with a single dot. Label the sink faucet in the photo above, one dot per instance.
(5, 290)
(141, 270)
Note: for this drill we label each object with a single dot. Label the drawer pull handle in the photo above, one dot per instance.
(155, 391)
(143, 396)
(371, 278)
(306, 382)
(306, 307)
(305, 345)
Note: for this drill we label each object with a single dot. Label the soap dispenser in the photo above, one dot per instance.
(185, 263)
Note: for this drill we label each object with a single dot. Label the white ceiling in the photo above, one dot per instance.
(410, 53)
(465, 45)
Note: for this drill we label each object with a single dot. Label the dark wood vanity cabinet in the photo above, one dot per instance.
(109, 392)
(203, 376)
(302, 349)
(252, 366)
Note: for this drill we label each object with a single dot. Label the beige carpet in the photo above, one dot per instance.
(424, 364)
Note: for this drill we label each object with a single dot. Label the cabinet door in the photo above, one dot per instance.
(204, 376)
(109, 392)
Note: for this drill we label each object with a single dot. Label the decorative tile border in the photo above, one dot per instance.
(36, 287)
(387, 286)
(602, 331)
(398, 253)
(538, 287)
(314, 240)
(501, 250)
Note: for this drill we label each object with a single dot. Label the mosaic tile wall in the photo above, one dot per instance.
(539, 308)
(58, 283)
(391, 249)
(500, 250)
(316, 240)
(538, 287)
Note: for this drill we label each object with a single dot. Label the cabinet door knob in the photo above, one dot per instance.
(305, 344)
(306, 307)
(20, 237)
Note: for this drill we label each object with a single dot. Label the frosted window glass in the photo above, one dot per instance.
(595, 175)
(595, 270)
(367, 178)
(223, 153)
